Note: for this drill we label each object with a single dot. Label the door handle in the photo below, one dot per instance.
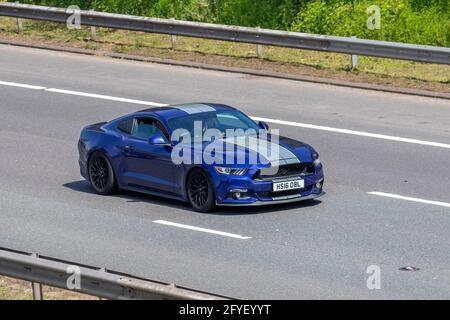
(128, 148)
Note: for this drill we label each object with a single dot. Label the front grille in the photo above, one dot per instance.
(295, 169)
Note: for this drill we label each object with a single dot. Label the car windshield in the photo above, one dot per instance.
(227, 122)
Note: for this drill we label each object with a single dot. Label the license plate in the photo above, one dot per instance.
(288, 185)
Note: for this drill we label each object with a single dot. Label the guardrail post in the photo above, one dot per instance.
(259, 49)
(354, 58)
(37, 291)
(93, 29)
(37, 287)
(173, 39)
(93, 32)
(19, 25)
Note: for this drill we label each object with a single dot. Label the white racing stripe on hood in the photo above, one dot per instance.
(276, 154)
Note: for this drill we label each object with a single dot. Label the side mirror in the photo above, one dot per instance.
(263, 125)
(157, 140)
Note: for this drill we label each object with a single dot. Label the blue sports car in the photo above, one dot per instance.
(204, 154)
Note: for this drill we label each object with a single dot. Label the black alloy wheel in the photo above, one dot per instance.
(200, 191)
(101, 174)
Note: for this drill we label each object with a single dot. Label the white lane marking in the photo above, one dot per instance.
(396, 196)
(83, 94)
(21, 85)
(99, 96)
(282, 122)
(185, 226)
(356, 133)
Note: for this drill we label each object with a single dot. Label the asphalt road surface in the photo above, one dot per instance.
(386, 159)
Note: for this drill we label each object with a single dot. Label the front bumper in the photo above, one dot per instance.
(287, 199)
(259, 192)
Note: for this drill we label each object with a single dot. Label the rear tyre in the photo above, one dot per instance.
(101, 174)
(200, 191)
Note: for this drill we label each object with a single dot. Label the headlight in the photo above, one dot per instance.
(316, 160)
(231, 171)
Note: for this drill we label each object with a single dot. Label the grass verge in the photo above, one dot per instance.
(406, 74)
(13, 289)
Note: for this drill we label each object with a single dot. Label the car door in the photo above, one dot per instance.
(146, 166)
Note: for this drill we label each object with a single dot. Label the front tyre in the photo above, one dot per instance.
(101, 174)
(200, 191)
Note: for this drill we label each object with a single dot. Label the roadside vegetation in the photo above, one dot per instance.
(13, 289)
(409, 21)
(414, 21)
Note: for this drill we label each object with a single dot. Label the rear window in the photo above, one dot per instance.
(126, 126)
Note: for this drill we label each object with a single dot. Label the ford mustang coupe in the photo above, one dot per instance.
(204, 154)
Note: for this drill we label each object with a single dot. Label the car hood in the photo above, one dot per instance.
(263, 152)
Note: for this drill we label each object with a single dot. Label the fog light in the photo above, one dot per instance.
(239, 194)
(319, 185)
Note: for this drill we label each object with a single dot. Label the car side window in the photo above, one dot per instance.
(144, 128)
(126, 126)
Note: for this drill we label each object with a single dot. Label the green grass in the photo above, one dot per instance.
(9, 294)
(13, 289)
(408, 21)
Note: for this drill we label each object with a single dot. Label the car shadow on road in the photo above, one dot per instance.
(130, 196)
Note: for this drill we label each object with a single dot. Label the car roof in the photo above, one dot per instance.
(178, 110)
